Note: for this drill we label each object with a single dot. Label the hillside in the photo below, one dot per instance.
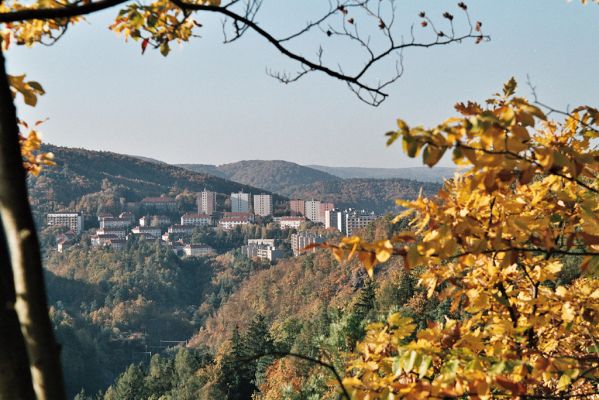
(80, 173)
(378, 195)
(272, 175)
(422, 174)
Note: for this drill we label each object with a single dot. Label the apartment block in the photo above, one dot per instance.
(196, 219)
(312, 210)
(197, 250)
(240, 202)
(159, 204)
(355, 219)
(111, 222)
(71, 220)
(291, 222)
(324, 207)
(300, 240)
(206, 202)
(150, 231)
(262, 248)
(263, 204)
(297, 207)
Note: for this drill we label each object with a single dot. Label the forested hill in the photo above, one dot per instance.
(297, 181)
(378, 195)
(81, 172)
(275, 175)
(423, 174)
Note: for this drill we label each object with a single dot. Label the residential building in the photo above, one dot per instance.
(335, 219)
(265, 242)
(299, 241)
(291, 222)
(117, 232)
(262, 248)
(206, 202)
(160, 220)
(324, 207)
(247, 215)
(72, 220)
(128, 215)
(240, 202)
(262, 204)
(159, 204)
(355, 219)
(232, 222)
(116, 244)
(152, 231)
(181, 229)
(196, 219)
(312, 210)
(64, 244)
(197, 250)
(102, 239)
(111, 222)
(297, 207)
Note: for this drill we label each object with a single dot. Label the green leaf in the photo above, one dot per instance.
(424, 365)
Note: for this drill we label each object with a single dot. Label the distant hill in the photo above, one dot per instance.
(87, 174)
(423, 174)
(302, 182)
(272, 175)
(378, 195)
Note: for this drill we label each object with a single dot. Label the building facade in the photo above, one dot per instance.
(312, 210)
(152, 231)
(159, 204)
(111, 222)
(299, 241)
(71, 220)
(263, 204)
(324, 207)
(206, 202)
(261, 248)
(196, 219)
(291, 222)
(297, 207)
(197, 250)
(355, 219)
(240, 202)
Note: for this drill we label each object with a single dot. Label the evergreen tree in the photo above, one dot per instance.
(362, 309)
(130, 385)
(236, 375)
(259, 343)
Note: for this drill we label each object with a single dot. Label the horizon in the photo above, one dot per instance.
(215, 110)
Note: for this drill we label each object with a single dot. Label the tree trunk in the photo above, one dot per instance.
(23, 246)
(15, 378)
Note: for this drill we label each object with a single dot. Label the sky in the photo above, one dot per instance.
(212, 103)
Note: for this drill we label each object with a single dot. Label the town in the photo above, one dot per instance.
(162, 219)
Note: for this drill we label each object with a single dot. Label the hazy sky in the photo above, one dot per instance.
(213, 103)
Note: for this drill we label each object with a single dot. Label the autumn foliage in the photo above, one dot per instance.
(513, 242)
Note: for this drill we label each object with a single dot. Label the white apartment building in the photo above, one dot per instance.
(263, 204)
(147, 231)
(181, 229)
(196, 219)
(206, 202)
(358, 219)
(240, 202)
(335, 219)
(111, 222)
(300, 240)
(232, 222)
(197, 250)
(312, 210)
(261, 248)
(117, 232)
(291, 222)
(72, 220)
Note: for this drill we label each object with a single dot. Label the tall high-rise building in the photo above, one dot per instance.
(262, 204)
(312, 210)
(206, 202)
(335, 219)
(324, 207)
(297, 207)
(240, 202)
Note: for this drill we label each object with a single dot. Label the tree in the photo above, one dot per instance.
(156, 25)
(494, 242)
(236, 375)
